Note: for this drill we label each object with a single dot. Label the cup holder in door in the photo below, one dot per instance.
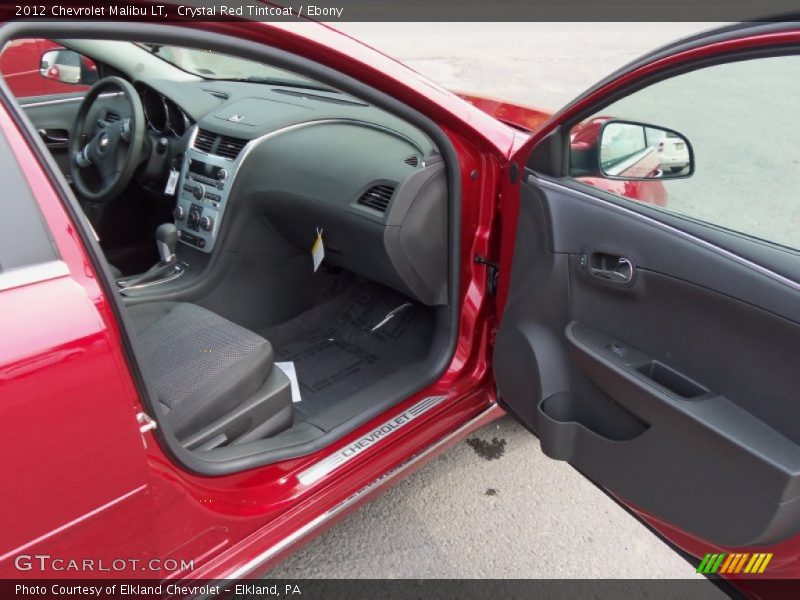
(567, 420)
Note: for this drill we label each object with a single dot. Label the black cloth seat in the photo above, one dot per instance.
(201, 365)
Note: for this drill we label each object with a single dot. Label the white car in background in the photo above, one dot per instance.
(673, 152)
(62, 65)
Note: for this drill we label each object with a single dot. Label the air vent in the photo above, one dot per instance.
(412, 161)
(230, 147)
(112, 117)
(218, 94)
(377, 197)
(204, 140)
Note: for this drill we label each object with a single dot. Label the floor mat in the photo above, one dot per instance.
(351, 342)
(134, 258)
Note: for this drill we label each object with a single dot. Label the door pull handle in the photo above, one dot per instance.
(616, 269)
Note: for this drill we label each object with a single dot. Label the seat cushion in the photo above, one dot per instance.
(200, 364)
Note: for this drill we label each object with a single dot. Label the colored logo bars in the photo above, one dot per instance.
(734, 563)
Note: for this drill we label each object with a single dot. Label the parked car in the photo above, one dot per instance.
(674, 153)
(310, 283)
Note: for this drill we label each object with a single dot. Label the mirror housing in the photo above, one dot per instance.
(633, 151)
(68, 66)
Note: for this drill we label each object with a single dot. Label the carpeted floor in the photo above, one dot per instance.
(350, 342)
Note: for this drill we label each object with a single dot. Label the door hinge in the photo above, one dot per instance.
(492, 272)
(146, 423)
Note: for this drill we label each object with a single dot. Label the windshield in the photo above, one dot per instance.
(214, 65)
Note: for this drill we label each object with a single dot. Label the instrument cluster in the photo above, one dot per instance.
(162, 115)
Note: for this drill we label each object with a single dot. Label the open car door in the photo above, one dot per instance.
(655, 345)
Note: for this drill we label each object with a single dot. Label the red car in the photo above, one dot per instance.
(274, 276)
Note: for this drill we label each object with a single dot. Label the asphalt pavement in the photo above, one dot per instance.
(521, 514)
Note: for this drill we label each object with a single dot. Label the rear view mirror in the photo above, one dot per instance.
(634, 151)
(68, 66)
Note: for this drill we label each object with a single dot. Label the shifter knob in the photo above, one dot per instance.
(166, 241)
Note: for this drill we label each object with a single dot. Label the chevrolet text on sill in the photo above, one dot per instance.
(162, 10)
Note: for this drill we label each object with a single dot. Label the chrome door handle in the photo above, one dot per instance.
(48, 138)
(616, 269)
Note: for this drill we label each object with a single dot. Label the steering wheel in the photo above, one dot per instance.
(103, 167)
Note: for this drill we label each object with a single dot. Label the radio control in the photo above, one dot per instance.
(192, 239)
(206, 223)
(193, 220)
(205, 188)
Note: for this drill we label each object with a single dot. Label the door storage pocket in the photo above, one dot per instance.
(567, 421)
(671, 380)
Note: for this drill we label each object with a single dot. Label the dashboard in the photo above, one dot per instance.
(304, 160)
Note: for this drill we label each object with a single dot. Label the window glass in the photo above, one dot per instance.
(24, 238)
(740, 119)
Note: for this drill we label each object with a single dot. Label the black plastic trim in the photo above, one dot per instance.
(674, 392)
(778, 263)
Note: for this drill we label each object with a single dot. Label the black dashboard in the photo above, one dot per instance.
(305, 160)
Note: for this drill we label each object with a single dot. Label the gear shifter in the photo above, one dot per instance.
(167, 267)
(167, 240)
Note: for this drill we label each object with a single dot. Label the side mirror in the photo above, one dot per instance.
(637, 151)
(68, 66)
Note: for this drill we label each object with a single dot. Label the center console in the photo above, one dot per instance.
(203, 188)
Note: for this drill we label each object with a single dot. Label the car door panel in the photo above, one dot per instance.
(76, 458)
(676, 391)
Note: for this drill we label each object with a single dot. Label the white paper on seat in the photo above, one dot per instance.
(291, 373)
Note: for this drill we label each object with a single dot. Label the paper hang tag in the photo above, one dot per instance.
(172, 182)
(318, 250)
(291, 373)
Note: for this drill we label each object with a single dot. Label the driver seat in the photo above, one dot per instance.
(215, 381)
